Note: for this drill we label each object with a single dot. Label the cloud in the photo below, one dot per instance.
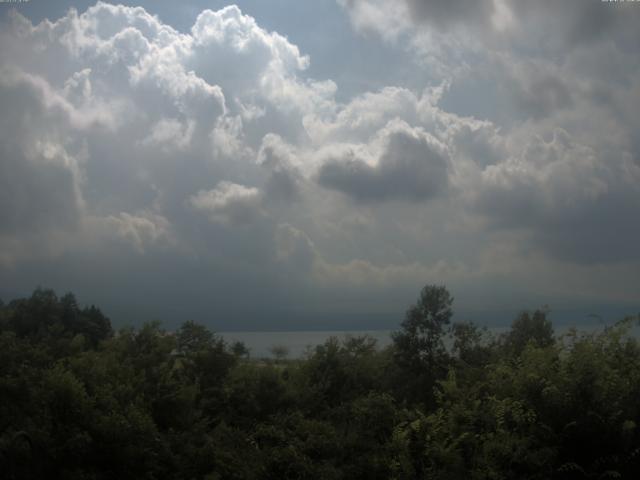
(441, 13)
(40, 170)
(508, 157)
(363, 116)
(116, 111)
(454, 41)
(576, 204)
(142, 230)
(575, 23)
(228, 202)
(284, 178)
(170, 134)
(539, 93)
(412, 165)
(546, 23)
(294, 250)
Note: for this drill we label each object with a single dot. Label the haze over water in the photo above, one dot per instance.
(299, 343)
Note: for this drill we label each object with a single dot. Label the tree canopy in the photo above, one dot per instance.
(444, 401)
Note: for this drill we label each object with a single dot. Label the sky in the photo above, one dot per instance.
(287, 165)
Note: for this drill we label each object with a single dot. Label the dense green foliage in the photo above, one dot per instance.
(446, 401)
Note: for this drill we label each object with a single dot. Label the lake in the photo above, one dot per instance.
(297, 342)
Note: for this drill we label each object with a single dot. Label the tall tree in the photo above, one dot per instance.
(526, 328)
(419, 346)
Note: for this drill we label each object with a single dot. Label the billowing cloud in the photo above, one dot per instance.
(284, 177)
(228, 202)
(142, 231)
(442, 14)
(548, 22)
(412, 165)
(507, 164)
(577, 202)
(40, 170)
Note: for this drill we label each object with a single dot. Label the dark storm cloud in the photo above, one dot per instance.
(441, 13)
(577, 22)
(539, 95)
(412, 167)
(282, 185)
(548, 27)
(576, 203)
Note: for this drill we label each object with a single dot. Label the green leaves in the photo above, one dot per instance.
(419, 348)
(148, 403)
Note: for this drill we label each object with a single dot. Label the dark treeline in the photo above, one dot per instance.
(445, 400)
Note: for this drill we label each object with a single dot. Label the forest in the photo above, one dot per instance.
(445, 400)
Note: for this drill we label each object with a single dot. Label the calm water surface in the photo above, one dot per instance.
(298, 342)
